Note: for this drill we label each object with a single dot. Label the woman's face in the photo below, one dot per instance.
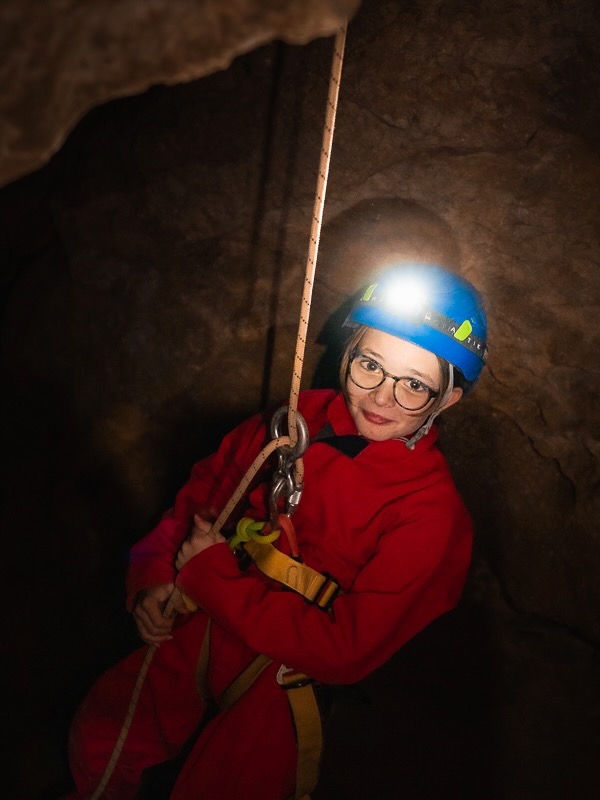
(376, 413)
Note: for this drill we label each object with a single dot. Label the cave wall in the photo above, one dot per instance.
(153, 269)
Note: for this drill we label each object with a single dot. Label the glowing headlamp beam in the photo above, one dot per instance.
(405, 296)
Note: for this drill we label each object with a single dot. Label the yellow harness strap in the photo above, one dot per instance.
(238, 685)
(312, 585)
(309, 735)
(202, 666)
(243, 681)
(309, 730)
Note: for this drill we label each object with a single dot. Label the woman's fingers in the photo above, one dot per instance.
(201, 525)
(149, 633)
(152, 625)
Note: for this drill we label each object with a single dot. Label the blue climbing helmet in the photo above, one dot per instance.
(432, 307)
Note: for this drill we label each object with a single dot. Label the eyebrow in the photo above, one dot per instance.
(427, 378)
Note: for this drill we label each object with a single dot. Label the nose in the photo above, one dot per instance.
(383, 395)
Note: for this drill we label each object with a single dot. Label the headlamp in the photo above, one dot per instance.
(406, 296)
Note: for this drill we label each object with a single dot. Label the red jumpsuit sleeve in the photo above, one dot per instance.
(211, 484)
(416, 574)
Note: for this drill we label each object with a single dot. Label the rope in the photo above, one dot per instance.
(110, 767)
(315, 235)
(291, 440)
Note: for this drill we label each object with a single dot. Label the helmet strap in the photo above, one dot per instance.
(426, 426)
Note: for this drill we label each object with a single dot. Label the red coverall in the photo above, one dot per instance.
(387, 524)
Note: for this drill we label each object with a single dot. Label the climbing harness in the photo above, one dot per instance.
(287, 484)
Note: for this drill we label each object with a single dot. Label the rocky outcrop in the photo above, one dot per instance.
(61, 59)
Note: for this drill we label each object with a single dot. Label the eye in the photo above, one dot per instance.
(368, 364)
(415, 386)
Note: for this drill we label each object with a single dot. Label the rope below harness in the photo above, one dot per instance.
(309, 750)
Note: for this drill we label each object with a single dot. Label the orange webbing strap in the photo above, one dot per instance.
(312, 585)
(309, 736)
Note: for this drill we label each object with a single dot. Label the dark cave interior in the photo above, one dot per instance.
(152, 270)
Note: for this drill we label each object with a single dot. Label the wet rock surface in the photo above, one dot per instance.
(152, 274)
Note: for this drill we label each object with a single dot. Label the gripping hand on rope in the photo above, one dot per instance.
(155, 608)
(154, 627)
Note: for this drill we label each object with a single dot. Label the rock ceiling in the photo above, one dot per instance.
(63, 57)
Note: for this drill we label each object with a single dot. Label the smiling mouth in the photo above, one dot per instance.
(375, 419)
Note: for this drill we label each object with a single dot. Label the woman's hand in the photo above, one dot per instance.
(200, 539)
(153, 627)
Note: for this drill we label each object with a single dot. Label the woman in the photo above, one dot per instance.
(379, 513)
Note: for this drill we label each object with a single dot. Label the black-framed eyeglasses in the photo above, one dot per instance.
(410, 393)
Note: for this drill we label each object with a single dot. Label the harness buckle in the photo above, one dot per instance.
(295, 680)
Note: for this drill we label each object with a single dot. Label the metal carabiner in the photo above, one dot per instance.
(292, 453)
(284, 481)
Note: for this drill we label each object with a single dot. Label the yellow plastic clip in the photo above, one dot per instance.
(250, 529)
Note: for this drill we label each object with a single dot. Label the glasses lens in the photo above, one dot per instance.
(411, 394)
(365, 372)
